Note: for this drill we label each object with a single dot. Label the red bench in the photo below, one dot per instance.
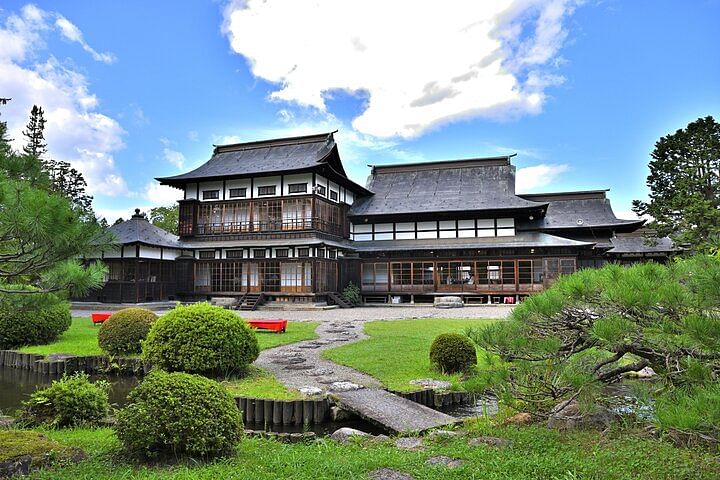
(100, 317)
(275, 325)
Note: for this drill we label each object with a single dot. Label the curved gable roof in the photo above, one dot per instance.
(458, 185)
(139, 230)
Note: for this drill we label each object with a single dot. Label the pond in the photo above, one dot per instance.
(16, 385)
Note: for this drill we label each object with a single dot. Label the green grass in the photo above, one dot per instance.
(398, 351)
(81, 338)
(536, 453)
(258, 383)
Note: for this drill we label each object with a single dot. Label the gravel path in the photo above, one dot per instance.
(300, 366)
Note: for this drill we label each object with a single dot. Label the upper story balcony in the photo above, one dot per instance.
(251, 217)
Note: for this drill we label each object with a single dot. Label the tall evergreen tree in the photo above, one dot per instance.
(35, 133)
(166, 218)
(684, 184)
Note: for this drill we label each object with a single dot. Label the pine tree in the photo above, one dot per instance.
(685, 185)
(34, 133)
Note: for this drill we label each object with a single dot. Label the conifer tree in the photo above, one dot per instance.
(35, 133)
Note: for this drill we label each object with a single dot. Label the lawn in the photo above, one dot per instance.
(398, 350)
(81, 338)
(258, 383)
(536, 452)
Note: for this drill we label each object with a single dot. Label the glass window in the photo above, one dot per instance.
(282, 253)
(207, 254)
(238, 192)
(320, 190)
(211, 194)
(297, 188)
(303, 252)
(234, 254)
(333, 195)
(259, 253)
(266, 190)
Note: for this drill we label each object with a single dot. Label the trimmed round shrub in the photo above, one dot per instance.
(30, 325)
(125, 330)
(200, 338)
(72, 400)
(179, 414)
(452, 352)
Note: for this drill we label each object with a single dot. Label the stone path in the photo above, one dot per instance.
(391, 411)
(300, 366)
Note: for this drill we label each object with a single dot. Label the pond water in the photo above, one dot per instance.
(17, 384)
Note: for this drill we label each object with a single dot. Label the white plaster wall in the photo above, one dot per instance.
(210, 186)
(299, 178)
(237, 183)
(191, 191)
(266, 182)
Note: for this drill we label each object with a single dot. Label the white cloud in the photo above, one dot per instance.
(419, 64)
(193, 136)
(162, 195)
(73, 33)
(174, 157)
(533, 178)
(75, 130)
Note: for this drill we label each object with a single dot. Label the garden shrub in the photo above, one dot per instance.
(351, 294)
(200, 338)
(179, 414)
(34, 320)
(72, 400)
(125, 330)
(452, 352)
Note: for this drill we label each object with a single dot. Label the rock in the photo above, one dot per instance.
(519, 419)
(443, 460)
(6, 422)
(310, 391)
(344, 434)
(410, 443)
(568, 416)
(431, 383)
(643, 374)
(316, 372)
(18, 466)
(389, 474)
(444, 434)
(491, 441)
(344, 386)
(448, 302)
(338, 414)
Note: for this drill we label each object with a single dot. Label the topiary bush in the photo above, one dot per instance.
(200, 338)
(34, 321)
(452, 352)
(72, 400)
(125, 330)
(179, 414)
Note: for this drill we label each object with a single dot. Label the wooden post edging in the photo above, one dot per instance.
(71, 364)
(431, 398)
(284, 412)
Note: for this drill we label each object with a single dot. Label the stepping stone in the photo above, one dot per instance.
(320, 371)
(310, 391)
(392, 411)
(290, 361)
(410, 443)
(491, 441)
(326, 381)
(299, 367)
(310, 345)
(443, 460)
(344, 386)
(389, 474)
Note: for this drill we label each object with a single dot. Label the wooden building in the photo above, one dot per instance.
(282, 219)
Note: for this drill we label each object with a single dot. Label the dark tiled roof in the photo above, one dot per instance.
(139, 230)
(263, 157)
(520, 240)
(572, 210)
(627, 244)
(460, 185)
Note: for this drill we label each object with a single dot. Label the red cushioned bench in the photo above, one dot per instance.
(276, 325)
(100, 317)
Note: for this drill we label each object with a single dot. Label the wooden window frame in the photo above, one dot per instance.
(211, 195)
(267, 190)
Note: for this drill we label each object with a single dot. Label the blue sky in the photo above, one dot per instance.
(580, 90)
